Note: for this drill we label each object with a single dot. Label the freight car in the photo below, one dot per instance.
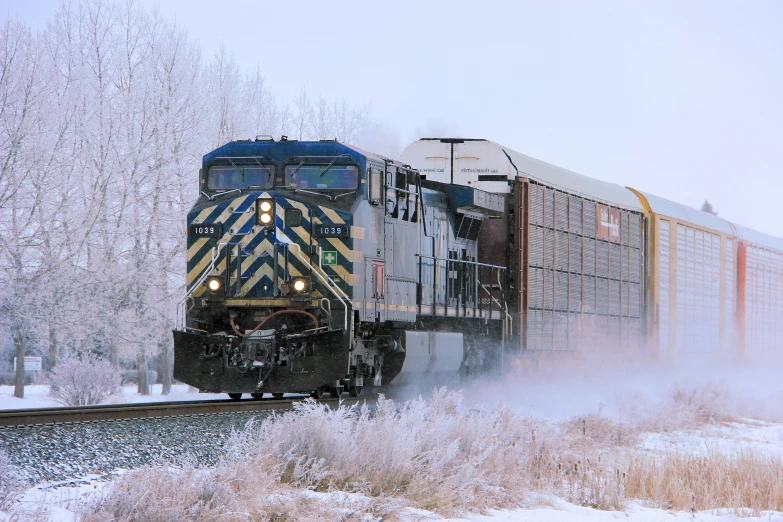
(593, 264)
(317, 267)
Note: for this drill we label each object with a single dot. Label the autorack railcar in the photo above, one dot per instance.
(593, 265)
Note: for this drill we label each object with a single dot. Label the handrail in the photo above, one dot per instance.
(181, 313)
(461, 261)
(326, 280)
(507, 327)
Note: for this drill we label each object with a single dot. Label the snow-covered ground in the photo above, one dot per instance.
(37, 396)
(765, 438)
(49, 502)
(59, 501)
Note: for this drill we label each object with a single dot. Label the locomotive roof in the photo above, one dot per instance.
(282, 149)
(672, 209)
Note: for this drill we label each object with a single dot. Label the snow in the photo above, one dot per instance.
(764, 438)
(561, 511)
(37, 396)
(54, 500)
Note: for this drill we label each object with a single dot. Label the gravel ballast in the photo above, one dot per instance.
(63, 452)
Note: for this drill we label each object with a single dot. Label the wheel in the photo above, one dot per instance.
(235, 396)
(257, 396)
(317, 393)
(277, 395)
(336, 391)
(354, 391)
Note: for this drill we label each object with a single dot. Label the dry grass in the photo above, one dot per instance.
(435, 453)
(232, 491)
(438, 455)
(740, 481)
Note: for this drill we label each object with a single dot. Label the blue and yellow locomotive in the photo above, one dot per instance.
(320, 268)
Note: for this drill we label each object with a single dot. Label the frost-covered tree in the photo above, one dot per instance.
(104, 116)
(27, 210)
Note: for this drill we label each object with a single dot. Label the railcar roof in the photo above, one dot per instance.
(672, 209)
(551, 175)
(759, 238)
(571, 181)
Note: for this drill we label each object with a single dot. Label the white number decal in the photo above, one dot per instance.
(205, 230)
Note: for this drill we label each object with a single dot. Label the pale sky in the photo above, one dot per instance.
(682, 99)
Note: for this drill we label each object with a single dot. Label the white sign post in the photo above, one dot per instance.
(31, 364)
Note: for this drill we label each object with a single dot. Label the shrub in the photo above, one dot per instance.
(81, 382)
(9, 378)
(11, 483)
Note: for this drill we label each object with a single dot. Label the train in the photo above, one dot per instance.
(317, 267)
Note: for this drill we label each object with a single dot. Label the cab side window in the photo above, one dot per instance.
(375, 190)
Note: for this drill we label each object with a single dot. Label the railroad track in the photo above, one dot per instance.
(62, 415)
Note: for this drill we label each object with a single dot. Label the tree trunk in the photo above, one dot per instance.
(52, 348)
(21, 350)
(165, 367)
(143, 375)
(114, 355)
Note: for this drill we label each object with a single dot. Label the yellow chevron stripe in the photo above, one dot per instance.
(301, 206)
(203, 214)
(265, 270)
(196, 271)
(340, 246)
(331, 214)
(302, 234)
(292, 270)
(342, 272)
(193, 250)
(264, 246)
(256, 276)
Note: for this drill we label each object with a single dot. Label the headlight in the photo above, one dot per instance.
(214, 284)
(300, 285)
(266, 211)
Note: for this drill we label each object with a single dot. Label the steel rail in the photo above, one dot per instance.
(111, 412)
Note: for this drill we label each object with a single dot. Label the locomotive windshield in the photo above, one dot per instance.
(314, 177)
(229, 177)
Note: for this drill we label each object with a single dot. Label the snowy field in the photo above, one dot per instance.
(540, 446)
